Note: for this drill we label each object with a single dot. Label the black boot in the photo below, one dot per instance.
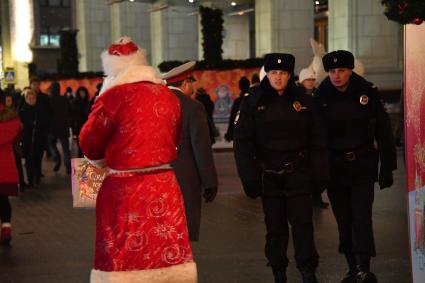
(308, 274)
(351, 275)
(364, 275)
(279, 274)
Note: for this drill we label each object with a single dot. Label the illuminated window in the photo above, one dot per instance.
(50, 40)
(54, 40)
(321, 22)
(44, 39)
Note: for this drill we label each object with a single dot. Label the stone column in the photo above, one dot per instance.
(174, 34)
(17, 28)
(93, 20)
(285, 26)
(133, 20)
(115, 21)
(362, 28)
(236, 37)
(157, 37)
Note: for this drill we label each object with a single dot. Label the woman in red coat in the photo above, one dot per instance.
(10, 128)
(141, 233)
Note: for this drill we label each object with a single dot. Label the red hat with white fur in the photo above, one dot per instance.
(121, 54)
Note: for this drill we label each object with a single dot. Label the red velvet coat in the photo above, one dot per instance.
(10, 129)
(140, 220)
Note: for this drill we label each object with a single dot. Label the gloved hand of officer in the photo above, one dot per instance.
(227, 137)
(385, 179)
(210, 194)
(253, 189)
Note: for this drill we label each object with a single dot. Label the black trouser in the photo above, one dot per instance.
(40, 146)
(29, 167)
(55, 152)
(352, 207)
(19, 165)
(5, 209)
(298, 211)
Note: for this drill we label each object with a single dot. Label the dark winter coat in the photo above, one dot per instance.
(61, 116)
(44, 114)
(194, 167)
(354, 121)
(279, 133)
(80, 111)
(27, 114)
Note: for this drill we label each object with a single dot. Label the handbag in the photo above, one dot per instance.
(86, 182)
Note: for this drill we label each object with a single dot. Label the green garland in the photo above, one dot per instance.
(212, 33)
(220, 65)
(405, 11)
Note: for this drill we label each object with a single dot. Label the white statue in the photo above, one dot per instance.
(317, 65)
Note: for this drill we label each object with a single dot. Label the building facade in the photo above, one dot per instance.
(171, 30)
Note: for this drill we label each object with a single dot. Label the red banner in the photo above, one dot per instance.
(90, 84)
(415, 105)
(218, 84)
(414, 79)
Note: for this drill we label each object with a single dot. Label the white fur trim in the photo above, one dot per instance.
(182, 273)
(6, 224)
(132, 74)
(114, 64)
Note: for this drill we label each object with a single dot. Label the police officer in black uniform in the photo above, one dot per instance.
(359, 135)
(279, 147)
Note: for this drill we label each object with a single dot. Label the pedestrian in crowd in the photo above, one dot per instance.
(10, 104)
(203, 97)
(80, 111)
(255, 80)
(16, 98)
(358, 137)
(10, 129)
(399, 126)
(42, 127)
(69, 94)
(279, 147)
(59, 127)
(306, 80)
(141, 232)
(30, 137)
(194, 166)
(93, 99)
(244, 85)
(9, 101)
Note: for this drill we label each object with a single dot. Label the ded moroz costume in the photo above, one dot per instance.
(141, 233)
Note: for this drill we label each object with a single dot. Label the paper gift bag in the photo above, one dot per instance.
(86, 182)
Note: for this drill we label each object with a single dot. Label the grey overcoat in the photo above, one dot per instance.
(194, 167)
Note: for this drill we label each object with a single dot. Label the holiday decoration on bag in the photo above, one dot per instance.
(86, 182)
(405, 11)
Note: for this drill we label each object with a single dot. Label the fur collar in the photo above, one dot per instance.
(132, 74)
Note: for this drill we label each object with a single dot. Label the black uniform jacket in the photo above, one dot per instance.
(358, 131)
(272, 130)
